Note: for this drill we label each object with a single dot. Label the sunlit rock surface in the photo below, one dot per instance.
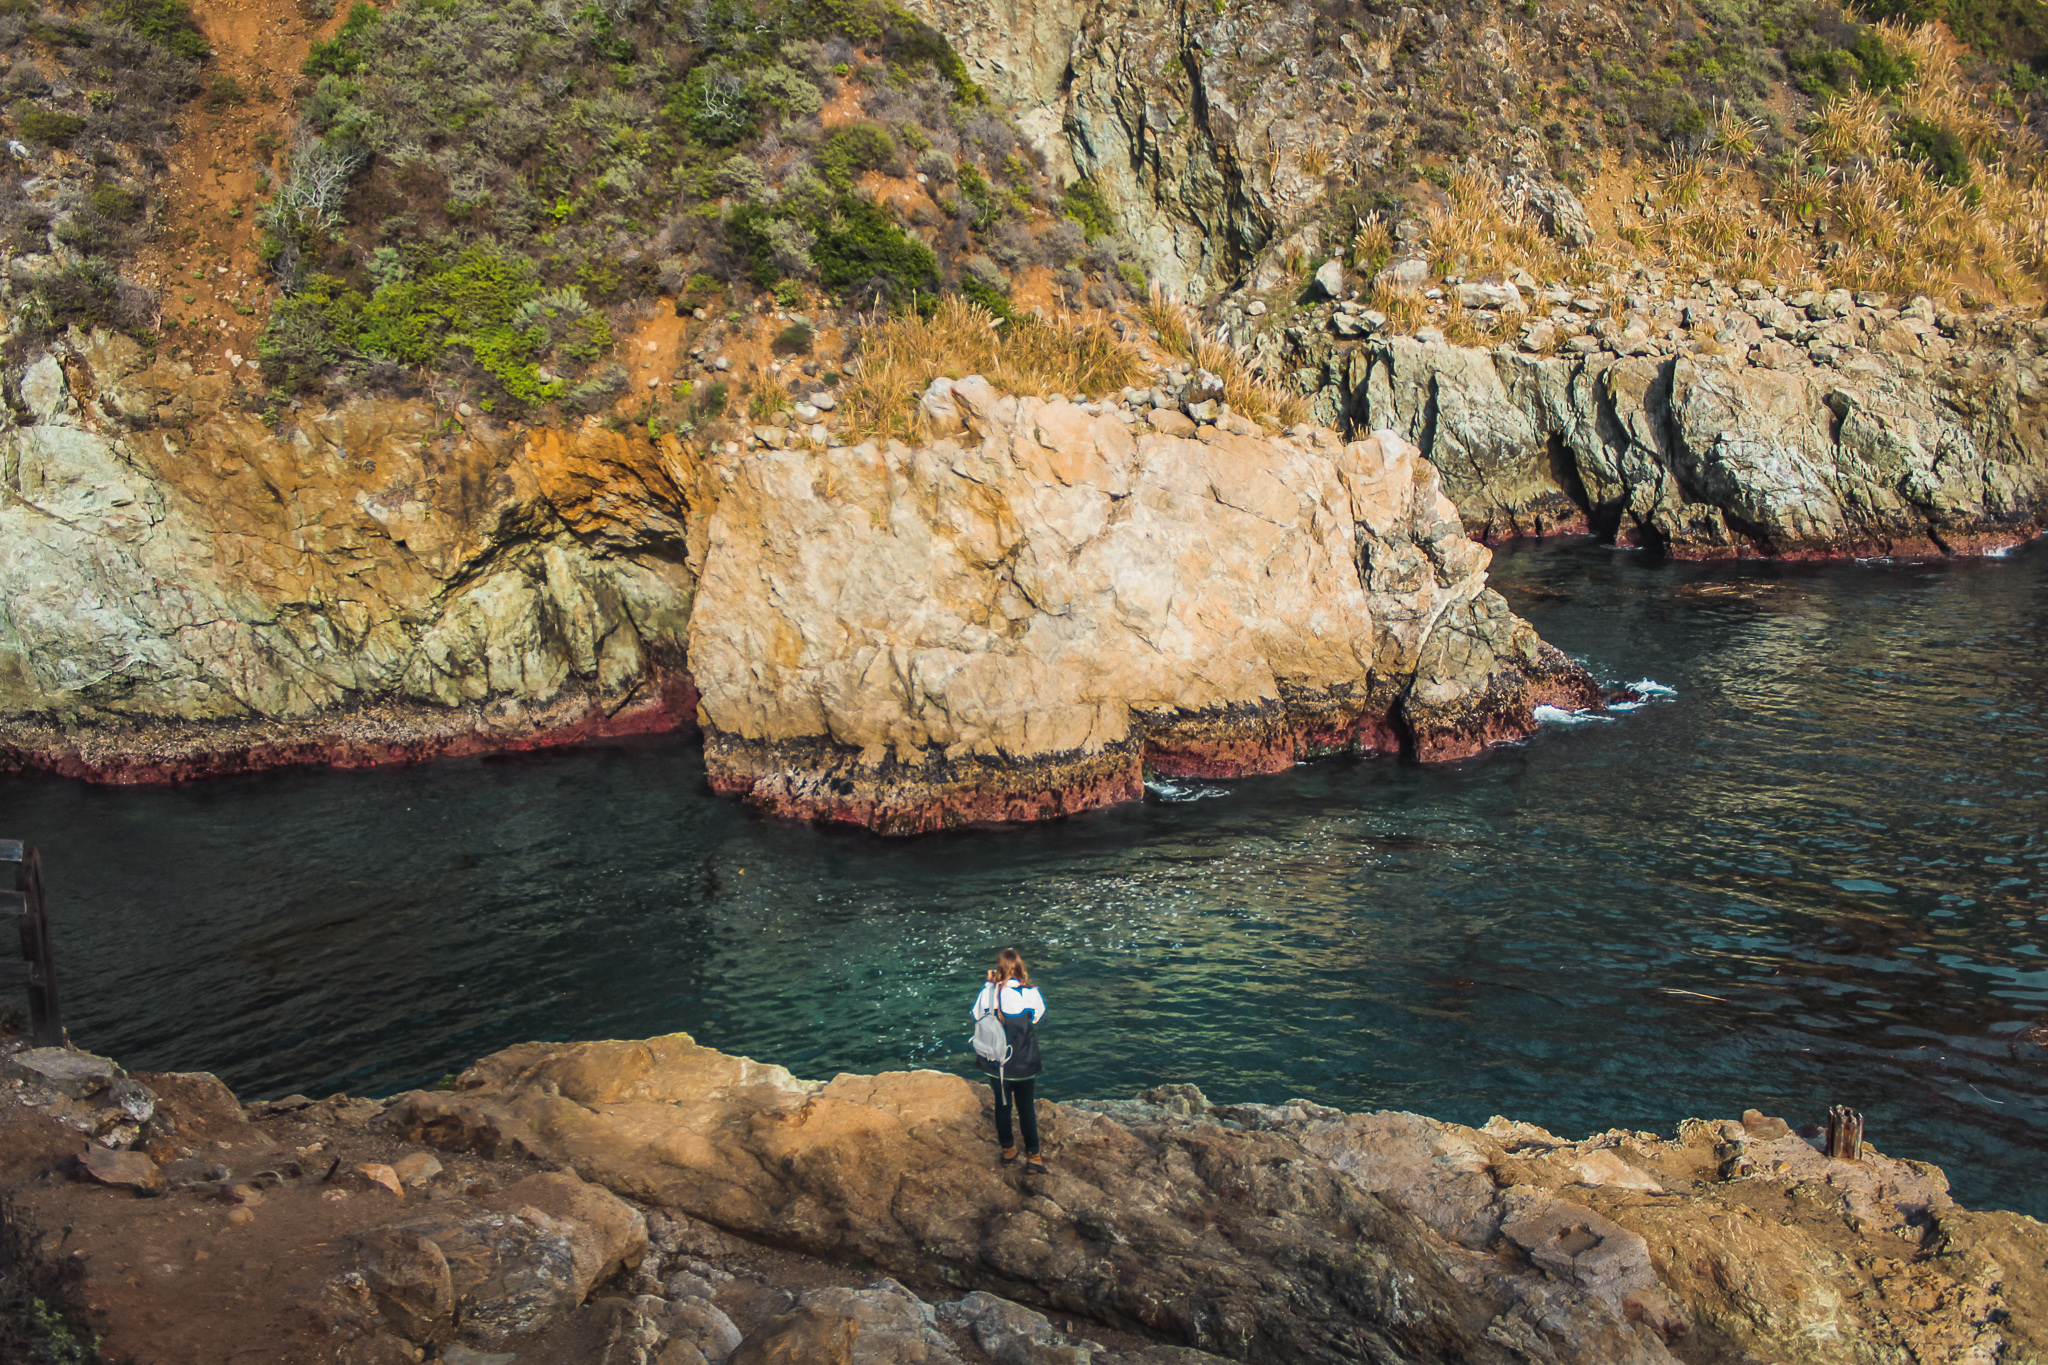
(1008, 624)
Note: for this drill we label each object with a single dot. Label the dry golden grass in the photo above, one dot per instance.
(1888, 221)
(1182, 335)
(902, 356)
(1405, 309)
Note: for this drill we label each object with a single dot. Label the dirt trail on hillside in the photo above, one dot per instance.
(216, 292)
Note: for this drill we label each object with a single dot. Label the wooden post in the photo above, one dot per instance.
(38, 967)
(1845, 1133)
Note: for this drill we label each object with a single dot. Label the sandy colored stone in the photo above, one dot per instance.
(1019, 624)
(1010, 625)
(377, 1173)
(122, 1170)
(1280, 1232)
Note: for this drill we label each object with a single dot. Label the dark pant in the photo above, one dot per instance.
(1019, 1094)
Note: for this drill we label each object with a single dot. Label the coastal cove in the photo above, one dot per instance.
(1811, 874)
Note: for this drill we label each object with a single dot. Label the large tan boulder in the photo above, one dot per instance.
(1020, 623)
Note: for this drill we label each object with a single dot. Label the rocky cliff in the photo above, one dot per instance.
(1636, 386)
(659, 1203)
(1696, 421)
(1293, 1232)
(367, 584)
(1010, 622)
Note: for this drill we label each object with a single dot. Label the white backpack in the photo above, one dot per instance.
(991, 1039)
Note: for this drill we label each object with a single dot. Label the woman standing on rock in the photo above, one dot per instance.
(1013, 1000)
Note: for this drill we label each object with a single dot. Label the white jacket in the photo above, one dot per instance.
(1016, 999)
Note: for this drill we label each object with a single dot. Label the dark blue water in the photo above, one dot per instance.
(1813, 876)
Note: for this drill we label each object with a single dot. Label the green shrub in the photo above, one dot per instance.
(344, 54)
(853, 148)
(987, 206)
(310, 332)
(85, 233)
(117, 204)
(988, 296)
(38, 124)
(1084, 203)
(86, 294)
(471, 302)
(701, 290)
(713, 105)
(165, 22)
(1938, 147)
(794, 339)
(224, 91)
(1881, 68)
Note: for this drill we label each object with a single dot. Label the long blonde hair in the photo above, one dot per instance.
(1010, 967)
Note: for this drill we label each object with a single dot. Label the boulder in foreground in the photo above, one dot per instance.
(1294, 1232)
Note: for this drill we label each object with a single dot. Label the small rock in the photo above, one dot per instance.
(824, 402)
(807, 412)
(417, 1169)
(70, 1072)
(1762, 1128)
(1430, 336)
(1409, 272)
(242, 1217)
(120, 1170)
(377, 1173)
(722, 363)
(1204, 411)
(1205, 385)
(1256, 308)
(240, 1194)
(1170, 423)
(1329, 280)
(464, 410)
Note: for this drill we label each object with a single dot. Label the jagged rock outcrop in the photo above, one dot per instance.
(1019, 623)
(1293, 1232)
(1707, 454)
(1169, 109)
(1001, 628)
(360, 585)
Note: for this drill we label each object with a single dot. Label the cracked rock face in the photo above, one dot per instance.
(1021, 622)
(364, 586)
(1715, 456)
(1009, 625)
(1278, 1233)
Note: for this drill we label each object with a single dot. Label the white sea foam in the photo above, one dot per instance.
(1648, 688)
(1557, 715)
(1182, 789)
